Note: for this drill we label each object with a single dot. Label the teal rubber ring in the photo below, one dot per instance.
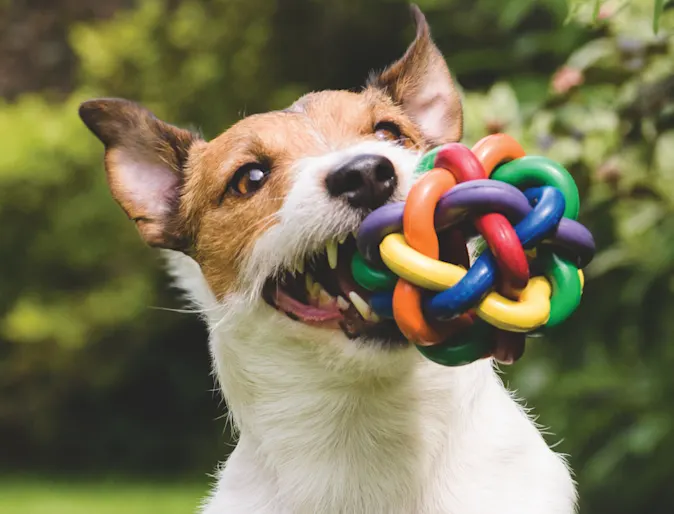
(566, 288)
(534, 170)
(370, 278)
(469, 346)
(427, 162)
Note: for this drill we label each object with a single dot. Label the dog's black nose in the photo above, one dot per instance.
(366, 181)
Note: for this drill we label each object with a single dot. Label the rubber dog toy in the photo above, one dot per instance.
(525, 273)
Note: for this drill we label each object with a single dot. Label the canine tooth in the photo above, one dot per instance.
(331, 249)
(324, 299)
(309, 282)
(300, 266)
(342, 304)
(341, 239)
(361, 305)
(316, 291)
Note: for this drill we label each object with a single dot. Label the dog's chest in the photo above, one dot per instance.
(427, 441)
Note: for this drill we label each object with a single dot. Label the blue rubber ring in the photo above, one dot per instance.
(382, 304)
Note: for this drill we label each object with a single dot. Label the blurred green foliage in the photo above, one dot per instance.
(92, 378)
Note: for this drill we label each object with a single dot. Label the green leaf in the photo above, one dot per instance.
(659, 7)
(597, 51)
(595, 12)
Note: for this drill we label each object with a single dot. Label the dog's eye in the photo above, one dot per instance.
(388, 131)
(248, 179)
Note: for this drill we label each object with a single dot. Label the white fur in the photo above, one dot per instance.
(309, 217)
(329, 425)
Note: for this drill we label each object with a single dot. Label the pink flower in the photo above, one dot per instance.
(605, 11)
(566, 78)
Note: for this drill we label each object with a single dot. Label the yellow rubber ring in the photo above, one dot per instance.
(415, 267)
(529, 313)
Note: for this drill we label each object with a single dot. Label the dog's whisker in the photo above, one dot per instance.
(183, 311)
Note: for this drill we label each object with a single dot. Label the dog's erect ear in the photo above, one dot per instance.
(144, 161)
(421, 83)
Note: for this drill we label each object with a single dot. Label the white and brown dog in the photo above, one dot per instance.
(336, 412)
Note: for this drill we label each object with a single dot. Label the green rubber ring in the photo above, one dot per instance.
(470, 345)
(370, 278)
(534, 170)
(566, 287)
(427, 162)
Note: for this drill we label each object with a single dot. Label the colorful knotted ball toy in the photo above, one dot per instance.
(525, 273)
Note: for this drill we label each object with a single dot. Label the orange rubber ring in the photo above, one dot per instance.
(496, 149)
(419, 212)
(417, 219)
(407, 313)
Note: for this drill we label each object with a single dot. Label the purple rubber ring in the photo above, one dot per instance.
(573, 241)
(474, 197)
(379, 224)
(479, 197)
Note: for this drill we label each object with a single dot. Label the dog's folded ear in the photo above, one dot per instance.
(420, 82)
(144, 160)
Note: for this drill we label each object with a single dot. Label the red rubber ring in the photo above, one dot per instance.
(460, 162)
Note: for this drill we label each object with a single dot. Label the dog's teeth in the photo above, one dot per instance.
(361, 306)
(300, 266)
(309, 283)
(342, 304)
(313, 289)
(324, 299)
(331, 249)
(354, 233)
(342, 239)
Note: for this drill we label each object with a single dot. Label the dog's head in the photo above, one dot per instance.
(267, 208)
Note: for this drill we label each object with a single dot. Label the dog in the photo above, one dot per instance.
(335, 411)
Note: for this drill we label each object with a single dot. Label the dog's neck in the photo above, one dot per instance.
(328, 441)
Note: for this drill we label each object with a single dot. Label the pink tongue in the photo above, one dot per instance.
(306, 313)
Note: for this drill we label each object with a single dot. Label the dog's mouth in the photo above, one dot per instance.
(321, 292)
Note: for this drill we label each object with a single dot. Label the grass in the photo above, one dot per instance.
(59, 496)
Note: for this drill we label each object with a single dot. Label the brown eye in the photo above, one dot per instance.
(388, 131)
(248, 179)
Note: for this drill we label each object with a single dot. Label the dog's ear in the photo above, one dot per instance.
(421, 83)
(144, 161)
